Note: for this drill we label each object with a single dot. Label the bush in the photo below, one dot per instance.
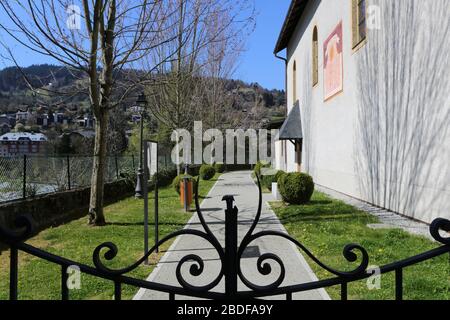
(219, 167)
(281, 182)
(258, 166)
(129, 175)
(193, 170)
(267, 180)
(176, 182)
(165, 177)
(296, 188)
(207, 172)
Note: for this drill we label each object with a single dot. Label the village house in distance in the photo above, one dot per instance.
(25, 132)
(368, 101)
(22, 143)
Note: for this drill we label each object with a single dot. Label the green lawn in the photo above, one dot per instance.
(325, 226)
(41, 280)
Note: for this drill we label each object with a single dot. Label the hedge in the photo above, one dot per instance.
(219, 167)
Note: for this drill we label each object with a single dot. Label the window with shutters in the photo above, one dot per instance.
(359, 29)
(315, 58)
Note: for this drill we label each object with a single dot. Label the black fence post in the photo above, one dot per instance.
(69, 184)
(13, 273)
(144, 186)
(155, 175)
(399, 284)
(231, 234)
(344, 291)
(117, 290)
(64, 288)
(24, 186)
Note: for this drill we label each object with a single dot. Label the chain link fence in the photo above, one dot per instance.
(27, 176)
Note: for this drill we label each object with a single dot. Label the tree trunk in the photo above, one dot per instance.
(96, 216)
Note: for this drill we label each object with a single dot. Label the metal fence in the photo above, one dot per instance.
(27, 176)
(268, 265)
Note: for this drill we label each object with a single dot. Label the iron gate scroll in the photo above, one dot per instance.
(230, 258)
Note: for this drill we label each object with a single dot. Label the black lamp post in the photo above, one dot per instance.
(141, 104)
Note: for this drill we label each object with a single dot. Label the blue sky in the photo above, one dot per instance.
(257, 64)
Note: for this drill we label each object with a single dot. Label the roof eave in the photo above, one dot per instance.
(286, 33)
(283, 28)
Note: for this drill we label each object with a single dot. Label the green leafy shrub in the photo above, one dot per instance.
(296, 188)
(165, 177)
(258, 166)
(281, 182)
(178, 179)
(219, 167)
(193, 170)
(207, 172)
(267, 180)
(176, 183)
(129, 175)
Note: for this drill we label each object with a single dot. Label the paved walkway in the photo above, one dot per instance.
(388, 219)
(242, 187)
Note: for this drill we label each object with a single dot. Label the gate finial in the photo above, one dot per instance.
(229, 199)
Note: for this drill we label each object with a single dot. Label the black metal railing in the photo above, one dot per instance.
(230, 258)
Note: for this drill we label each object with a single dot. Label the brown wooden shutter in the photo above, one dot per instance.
(355, 33)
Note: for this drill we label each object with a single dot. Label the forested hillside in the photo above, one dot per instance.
(15, 93)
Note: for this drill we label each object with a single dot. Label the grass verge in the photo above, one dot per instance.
(40, 280)
(326, 225)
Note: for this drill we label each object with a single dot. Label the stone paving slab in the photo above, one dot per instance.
(388, 219)
(242, 187)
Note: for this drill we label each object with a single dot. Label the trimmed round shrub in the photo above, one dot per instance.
(267, 180)
(281, 182)
(176, 183)
(296, 188)
(219, 167)
(207, 172)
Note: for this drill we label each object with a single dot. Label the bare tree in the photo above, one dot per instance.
(204, 42)
(113, 36)
(223, 53)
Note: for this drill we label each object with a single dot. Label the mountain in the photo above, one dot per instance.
(13, 79)
(15, 93)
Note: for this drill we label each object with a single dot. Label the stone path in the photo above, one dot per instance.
(242, 187)
(388, 219)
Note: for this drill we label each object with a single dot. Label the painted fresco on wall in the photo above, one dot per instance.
(333, 63)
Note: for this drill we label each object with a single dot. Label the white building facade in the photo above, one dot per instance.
(14, 144)
(371, 80)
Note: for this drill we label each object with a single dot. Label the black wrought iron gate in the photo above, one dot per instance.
(230, 258)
